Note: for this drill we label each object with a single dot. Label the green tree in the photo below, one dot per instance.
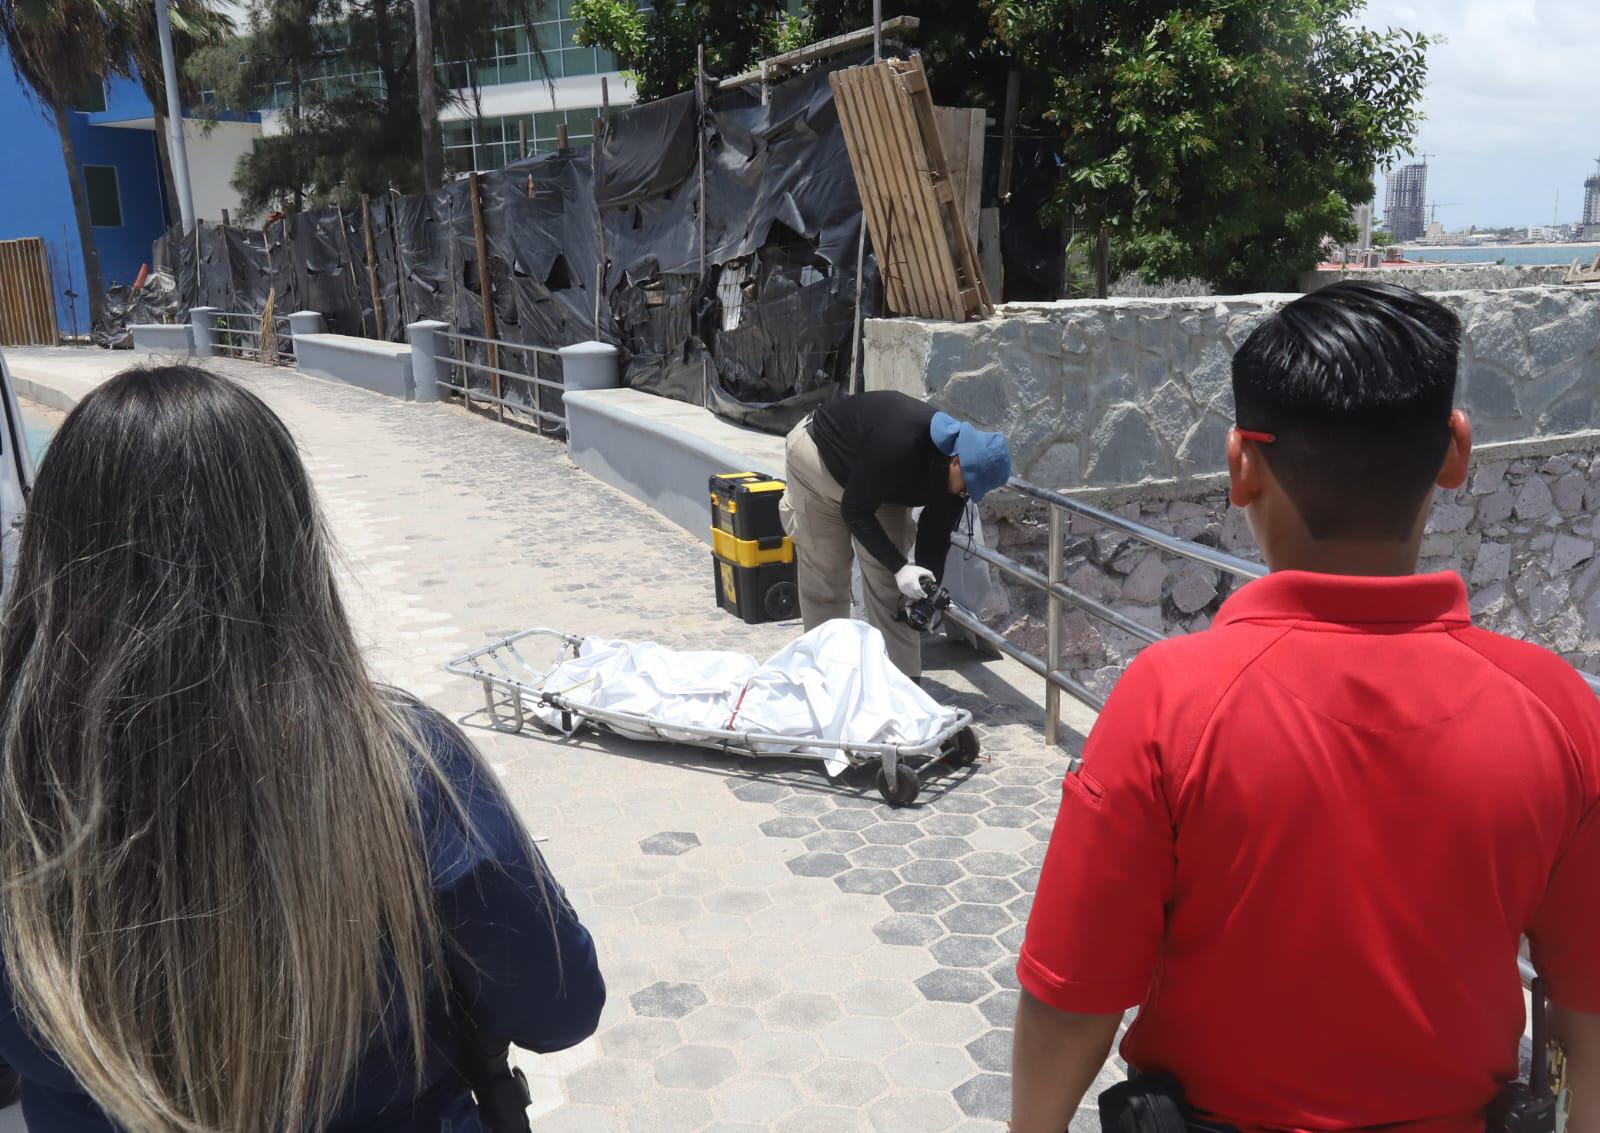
(57, 47)
(967, 64)
(1382, 239)
(343, 74)
(196, 24)
(658, 45)
(1223, 139)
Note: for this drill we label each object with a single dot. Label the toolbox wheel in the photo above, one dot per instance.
(966, 753)
(781, 601)
(903, 791)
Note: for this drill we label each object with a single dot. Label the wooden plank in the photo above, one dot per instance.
(489, 329)
(921, 210)
(47, 282)
(6, 302)
(963, 244)
(961, 131)
(917, 177)
(989, 261)
(822, 49)
(856, 117)
(900, 206)
(27, 299)
(372, 264)
(8, 331)
(909, 199)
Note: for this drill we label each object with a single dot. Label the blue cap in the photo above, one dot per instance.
(985, 457)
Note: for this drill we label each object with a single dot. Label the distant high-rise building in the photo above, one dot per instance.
(1591, 204)
(1405, 211)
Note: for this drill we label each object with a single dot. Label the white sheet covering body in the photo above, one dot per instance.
(835, 683)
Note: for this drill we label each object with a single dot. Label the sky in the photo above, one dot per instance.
(1512, 105)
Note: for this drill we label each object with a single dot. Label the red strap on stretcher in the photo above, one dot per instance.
(736, 706)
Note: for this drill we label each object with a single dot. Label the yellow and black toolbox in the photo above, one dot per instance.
(752, 558)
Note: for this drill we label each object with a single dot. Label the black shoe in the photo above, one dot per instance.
(10, 1087)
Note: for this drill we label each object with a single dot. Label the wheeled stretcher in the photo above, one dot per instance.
(831, 696)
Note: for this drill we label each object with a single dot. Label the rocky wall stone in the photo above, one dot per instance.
(1522, 533)
(1109, 393)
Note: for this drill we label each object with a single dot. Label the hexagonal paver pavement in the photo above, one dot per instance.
(784, 952)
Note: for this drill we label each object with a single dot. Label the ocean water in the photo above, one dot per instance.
(1510, 255)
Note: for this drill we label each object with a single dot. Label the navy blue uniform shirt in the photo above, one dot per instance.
(519, 959)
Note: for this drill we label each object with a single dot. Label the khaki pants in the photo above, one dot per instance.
(813, 519)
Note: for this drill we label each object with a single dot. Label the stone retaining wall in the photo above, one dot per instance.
(1522, 532)
(1117, 392)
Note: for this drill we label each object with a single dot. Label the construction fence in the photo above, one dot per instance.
(714, 244)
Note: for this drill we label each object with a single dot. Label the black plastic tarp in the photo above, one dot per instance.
(755, 319)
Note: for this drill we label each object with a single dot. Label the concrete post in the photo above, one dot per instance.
(426, 348)
(203, 320)
(307, 322)
(590, 365)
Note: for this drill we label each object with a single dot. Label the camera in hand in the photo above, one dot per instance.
(928, 611)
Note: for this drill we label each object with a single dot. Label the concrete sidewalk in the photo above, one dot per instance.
(783, 953)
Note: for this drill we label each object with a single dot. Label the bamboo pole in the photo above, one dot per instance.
(599, 213)
(372, 265)
(489, 330)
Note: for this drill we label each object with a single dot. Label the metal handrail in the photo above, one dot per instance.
(479, 395)
(246, 315)
(1200, 553)
(469, 395)
(1058, 595)
(500, 342)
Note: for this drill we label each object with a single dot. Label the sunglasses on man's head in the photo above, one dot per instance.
(1260, 438)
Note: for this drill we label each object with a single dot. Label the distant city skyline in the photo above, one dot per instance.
(1510, 107)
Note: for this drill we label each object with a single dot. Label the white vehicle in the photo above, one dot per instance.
(16, 475)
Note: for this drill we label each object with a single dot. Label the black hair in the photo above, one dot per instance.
(1356, 382)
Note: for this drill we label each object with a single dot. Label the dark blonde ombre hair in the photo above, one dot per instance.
(209, 822)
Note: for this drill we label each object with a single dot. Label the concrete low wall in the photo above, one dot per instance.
(382, 367)
(663, 452)
(163, 338)
(1103, 393)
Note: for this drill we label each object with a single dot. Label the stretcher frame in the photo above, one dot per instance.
(510, 681)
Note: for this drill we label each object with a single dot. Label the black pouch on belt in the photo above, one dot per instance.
(1149, 1103)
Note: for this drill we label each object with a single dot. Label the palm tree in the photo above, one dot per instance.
(56, 48)
(196, 24)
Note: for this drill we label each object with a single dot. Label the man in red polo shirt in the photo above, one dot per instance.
(1306, 842)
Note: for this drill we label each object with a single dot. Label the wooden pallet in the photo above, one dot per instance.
(915, 212)
(1577, 273)
(27, 296)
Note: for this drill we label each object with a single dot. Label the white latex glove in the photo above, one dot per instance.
(910, 578)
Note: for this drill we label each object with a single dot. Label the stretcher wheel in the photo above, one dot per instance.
(903, 791)
(966, 753)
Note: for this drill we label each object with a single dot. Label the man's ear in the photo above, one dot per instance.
(1244, 470)
(1458, 458)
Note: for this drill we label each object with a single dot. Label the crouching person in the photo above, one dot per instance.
(242, 886)
(855, 469)
(1306, 841)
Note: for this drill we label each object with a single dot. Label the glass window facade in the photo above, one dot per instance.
(521, 53)
(490, 143)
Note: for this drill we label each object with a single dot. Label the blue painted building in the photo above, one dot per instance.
(121, 174)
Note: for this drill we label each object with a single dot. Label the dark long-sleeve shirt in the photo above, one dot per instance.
(879, 447)
(521, 963)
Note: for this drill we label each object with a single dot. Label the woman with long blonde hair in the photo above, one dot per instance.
(243, 888)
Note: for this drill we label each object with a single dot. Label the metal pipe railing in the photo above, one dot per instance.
(1059, 595)
(497, 345)
(1210, 556)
